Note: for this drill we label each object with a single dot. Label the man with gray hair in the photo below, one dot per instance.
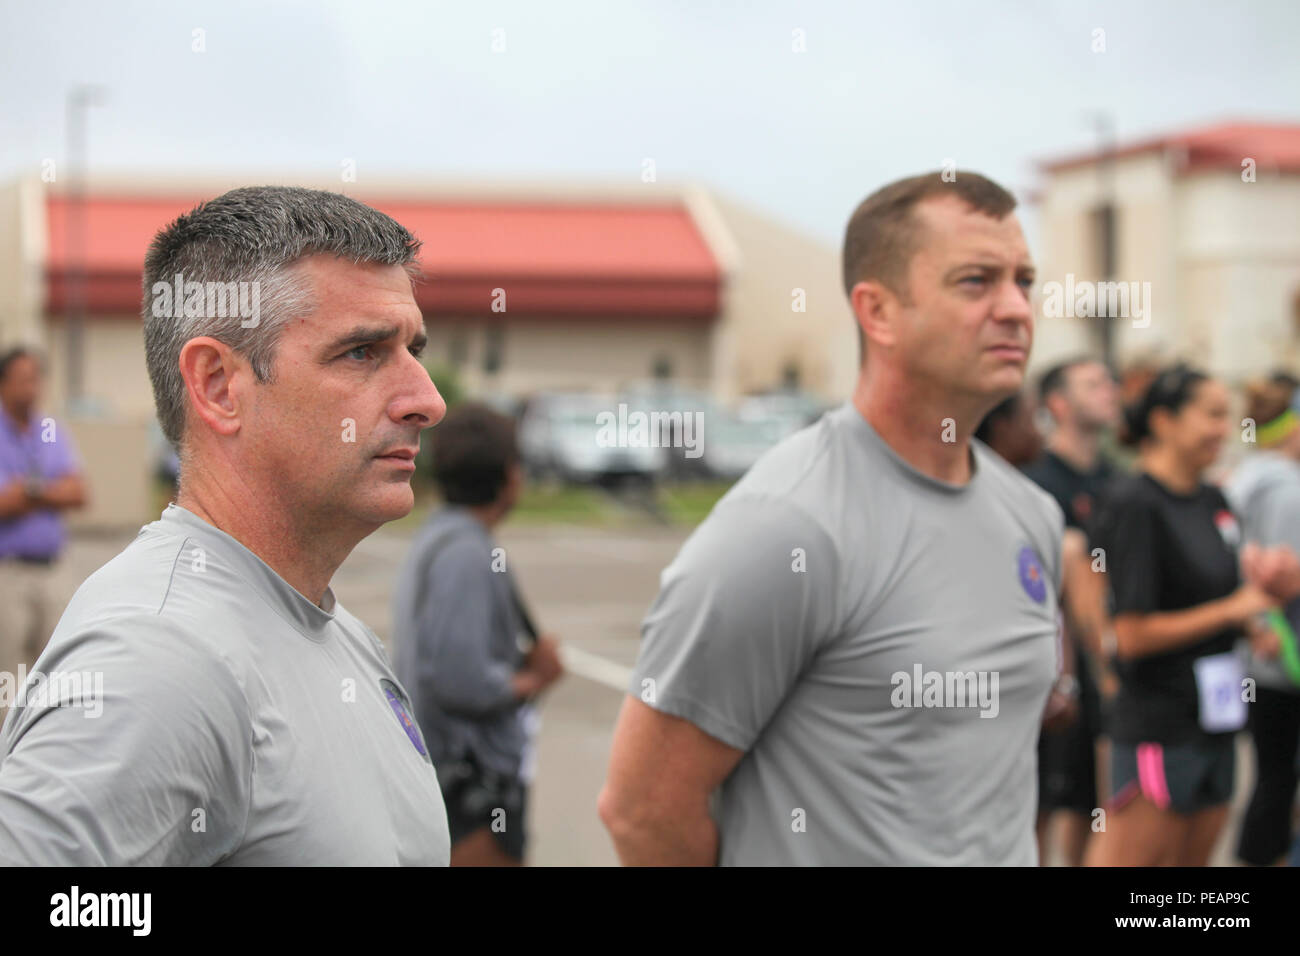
(242, 715)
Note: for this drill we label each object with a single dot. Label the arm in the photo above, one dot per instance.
(731, 631)
(14, 502)
(68, 491)
(655, 802)
(1138, 635)
(1084, 595)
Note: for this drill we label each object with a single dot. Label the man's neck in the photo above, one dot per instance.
(304, 553)
(929, 431)
(1076, 447)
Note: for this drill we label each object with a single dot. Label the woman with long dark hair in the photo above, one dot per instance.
(1170, 545)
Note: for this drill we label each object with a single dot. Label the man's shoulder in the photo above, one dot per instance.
(146, 596)
(1010, 482)
(799, 474)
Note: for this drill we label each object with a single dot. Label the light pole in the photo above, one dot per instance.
(80, 99)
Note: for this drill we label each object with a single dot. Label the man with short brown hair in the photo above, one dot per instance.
(857, 643)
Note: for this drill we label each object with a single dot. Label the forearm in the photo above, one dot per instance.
(1140, 635)
(62, 493)
(526, 683)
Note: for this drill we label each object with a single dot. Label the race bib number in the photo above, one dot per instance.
(1218, 684)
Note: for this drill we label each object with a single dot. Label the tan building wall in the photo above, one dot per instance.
(22, 252)
(1222, 257)
(760, 333)
(115, 380)
(599, 354)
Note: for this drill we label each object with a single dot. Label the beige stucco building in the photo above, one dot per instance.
(1203, 225)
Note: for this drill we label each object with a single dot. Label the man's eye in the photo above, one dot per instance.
(979, 279)
(1026, 282)
(416, 350)
(352, 353)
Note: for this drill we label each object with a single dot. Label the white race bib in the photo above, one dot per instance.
(1218, 683)
(532, 723)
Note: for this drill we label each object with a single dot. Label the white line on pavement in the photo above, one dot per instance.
(595, 668)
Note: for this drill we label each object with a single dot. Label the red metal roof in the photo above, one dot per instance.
(552, 258)
(1271, 145)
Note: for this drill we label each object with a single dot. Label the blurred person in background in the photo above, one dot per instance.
(1010, 431)
(39, 479)
(460, 641)
(1082, 399)
(1265, 492)
(1179, 606)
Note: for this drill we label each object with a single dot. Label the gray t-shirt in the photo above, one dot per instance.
(832, 598)
(218, 717)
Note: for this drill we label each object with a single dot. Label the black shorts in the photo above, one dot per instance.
(476, 798)
(1067, 759)
(1184, 777)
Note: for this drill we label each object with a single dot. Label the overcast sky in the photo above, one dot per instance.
(713, 92)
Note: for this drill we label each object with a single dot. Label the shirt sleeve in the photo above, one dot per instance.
(740, 614)
(1126, 533)
(456, 665)
(133, 747)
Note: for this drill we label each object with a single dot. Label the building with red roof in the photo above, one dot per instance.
(525, 288)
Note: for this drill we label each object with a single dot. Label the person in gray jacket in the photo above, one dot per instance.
(1265, 491)
(464, 645)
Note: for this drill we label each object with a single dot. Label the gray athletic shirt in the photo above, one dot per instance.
(222, 718)
(806, 622)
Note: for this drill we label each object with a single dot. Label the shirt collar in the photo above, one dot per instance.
(309, 619)
(849, 413)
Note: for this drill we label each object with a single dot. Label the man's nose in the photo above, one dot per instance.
(1013, 303)
(419, 403)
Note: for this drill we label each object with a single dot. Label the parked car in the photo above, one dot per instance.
(560, 436)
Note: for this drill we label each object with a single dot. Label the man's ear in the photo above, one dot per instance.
(210, 370)
(870, 300)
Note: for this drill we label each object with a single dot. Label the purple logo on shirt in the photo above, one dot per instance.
(396, 701)
(1032, 578)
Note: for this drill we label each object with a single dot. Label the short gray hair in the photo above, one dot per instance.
(252, 235)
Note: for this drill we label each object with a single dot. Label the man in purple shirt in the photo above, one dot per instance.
(39, 477)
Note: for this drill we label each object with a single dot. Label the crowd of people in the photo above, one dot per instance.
(1172, 652)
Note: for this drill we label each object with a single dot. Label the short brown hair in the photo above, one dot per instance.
(474, 447)
(883, 235)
